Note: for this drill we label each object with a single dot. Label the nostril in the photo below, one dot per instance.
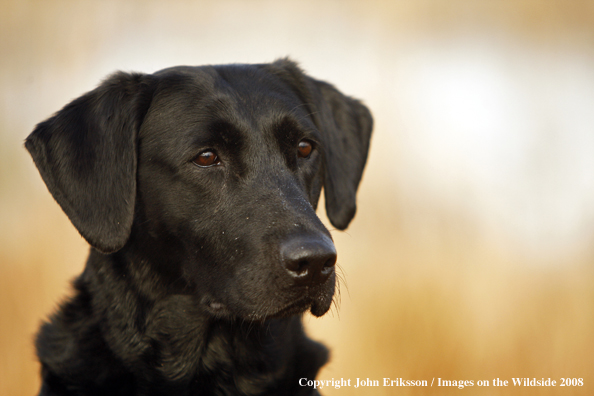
(330, 262)
(302, 266)
(295, 267)
(299, 267)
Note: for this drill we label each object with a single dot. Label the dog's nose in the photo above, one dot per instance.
(309, 260)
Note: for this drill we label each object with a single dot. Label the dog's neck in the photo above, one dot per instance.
(168, 336)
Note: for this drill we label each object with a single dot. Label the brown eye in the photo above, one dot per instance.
(207, 158)
(304, 149)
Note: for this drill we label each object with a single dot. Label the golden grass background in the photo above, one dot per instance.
(454, 268)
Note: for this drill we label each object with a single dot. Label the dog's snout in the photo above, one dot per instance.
(308, 260)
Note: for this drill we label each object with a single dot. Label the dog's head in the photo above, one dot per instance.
(213, 174)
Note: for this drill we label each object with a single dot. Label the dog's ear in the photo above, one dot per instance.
(86, 155)
(346, 126)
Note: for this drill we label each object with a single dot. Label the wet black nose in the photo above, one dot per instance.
(308, 260)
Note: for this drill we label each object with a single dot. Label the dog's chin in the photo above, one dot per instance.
(319, 308)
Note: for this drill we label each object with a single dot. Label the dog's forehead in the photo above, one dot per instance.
(246, 90)
(192, 102)
(245, 96)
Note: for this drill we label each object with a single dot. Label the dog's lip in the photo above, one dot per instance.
(214, 306)
(302, 304)
(295, 307)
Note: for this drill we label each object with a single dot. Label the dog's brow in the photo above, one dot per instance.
(287, 130)
(225, 133)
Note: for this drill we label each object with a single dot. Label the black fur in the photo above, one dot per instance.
(198, 276)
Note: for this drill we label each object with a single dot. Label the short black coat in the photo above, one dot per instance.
(195, 283)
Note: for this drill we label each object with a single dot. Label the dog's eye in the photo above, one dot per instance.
(304, 149)
(207, 158)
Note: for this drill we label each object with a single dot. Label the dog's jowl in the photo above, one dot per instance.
(196, 188)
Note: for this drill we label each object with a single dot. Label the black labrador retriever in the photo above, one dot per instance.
(197, 188)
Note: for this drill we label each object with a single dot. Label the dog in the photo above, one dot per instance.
(197, 189)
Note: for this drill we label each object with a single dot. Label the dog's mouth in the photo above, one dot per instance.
(318, 305)
(295, 308)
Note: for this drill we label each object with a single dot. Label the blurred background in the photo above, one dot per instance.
(471, 256)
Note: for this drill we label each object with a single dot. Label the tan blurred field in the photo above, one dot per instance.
(471, 256)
